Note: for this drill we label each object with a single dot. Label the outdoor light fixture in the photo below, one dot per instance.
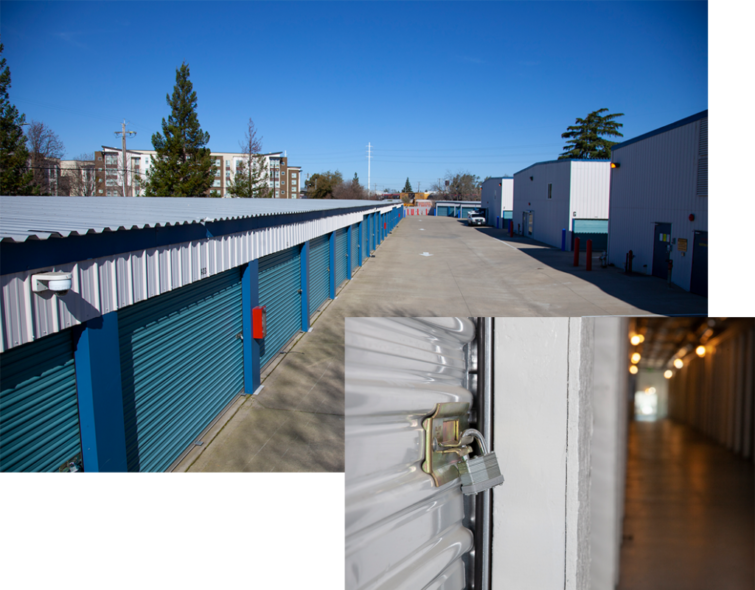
(615, 165)
(633, 369)
(668, 374)
(700, 350)
(635, 340)
(692, 217)
(678, 363)
(56, 282)
(636, 358)
(532, 178)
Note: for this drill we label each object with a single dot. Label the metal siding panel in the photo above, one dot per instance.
(355, 261)
(279, 285)
(39, 418)
(401, 531)
(550, 215)
(341, 257)
(656, 183)
(181, 364)
(318, 273)
(590, 189)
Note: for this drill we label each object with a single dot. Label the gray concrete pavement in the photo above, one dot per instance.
(296, 422)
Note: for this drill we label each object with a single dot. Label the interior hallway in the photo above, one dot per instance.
(690, 516)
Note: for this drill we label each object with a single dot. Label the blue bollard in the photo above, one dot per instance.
(563, 240)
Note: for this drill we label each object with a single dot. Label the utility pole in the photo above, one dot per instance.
(418, 185)
(123, 133)
(369, 156)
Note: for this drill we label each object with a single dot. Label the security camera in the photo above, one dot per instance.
(58, 283)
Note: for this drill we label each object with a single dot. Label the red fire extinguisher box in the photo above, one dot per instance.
(259, 321)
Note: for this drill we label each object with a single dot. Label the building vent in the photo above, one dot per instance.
(702, 162)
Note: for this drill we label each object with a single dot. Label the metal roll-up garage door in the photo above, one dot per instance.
(466, 211)
(319, 272)
(365, 237)
(402, 532)
(355, 257)
(39, 415)
(443, 211)
(279, 288)
(181, 364)
(341, 252)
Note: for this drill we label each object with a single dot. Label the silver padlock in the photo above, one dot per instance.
(479, 473)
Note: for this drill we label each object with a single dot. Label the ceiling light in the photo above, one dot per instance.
(668, 374)
(636, 357)
(678, 363)
(633, 369)
(700, 350)
(635, 340)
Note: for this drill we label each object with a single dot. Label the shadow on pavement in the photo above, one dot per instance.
(643, 291)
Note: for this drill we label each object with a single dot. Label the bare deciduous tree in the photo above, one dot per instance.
(251, 177)
(45, 151)
(350, 190)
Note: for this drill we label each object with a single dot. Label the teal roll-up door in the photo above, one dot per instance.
(365, 237)
(466, 211)
(39, 414)
(341, 256)
(590, 229)
(181, 364)
(319, 272)
(279, 286)
(355, 258)
(444, 211)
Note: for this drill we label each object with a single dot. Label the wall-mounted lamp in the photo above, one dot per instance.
(615, 165)
(633, 369)
(678, 363)
(668, 374)
(56, 282)
(692, 217)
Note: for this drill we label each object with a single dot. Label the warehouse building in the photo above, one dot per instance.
(498, 201)
(458, 209)
(128, 325)
(557, 201)
(659, 203)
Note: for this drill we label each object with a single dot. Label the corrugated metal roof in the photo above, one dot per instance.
(39, 218)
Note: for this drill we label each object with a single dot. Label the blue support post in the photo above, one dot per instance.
(332, 265)
(305, 287)
(360, 243)
(98, 382)
(348, 253)
(250, 297)
(563, 240)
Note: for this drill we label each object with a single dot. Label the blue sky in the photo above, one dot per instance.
(434, 87)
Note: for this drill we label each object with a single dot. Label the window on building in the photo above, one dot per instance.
(100, 191)
(550, 191)
(215, 183)
(283, 183)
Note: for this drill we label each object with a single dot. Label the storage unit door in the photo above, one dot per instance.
(662, 238)
(365, 251)
(590, 229)
(402, 532)
(279, 288)
(341, 256)
(443, 211)
(319, 272)
(39, 414)
(699, 279)
(181, 364)
(355, 258)
(466, 211)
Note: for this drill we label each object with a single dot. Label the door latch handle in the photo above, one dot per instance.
(444, 444)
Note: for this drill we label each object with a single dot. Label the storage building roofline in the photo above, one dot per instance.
(680, 123)
(39, 218)
(558, 161)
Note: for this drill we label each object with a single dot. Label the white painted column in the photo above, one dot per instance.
(542, 429)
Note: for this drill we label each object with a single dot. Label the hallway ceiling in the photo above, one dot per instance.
(664, 337)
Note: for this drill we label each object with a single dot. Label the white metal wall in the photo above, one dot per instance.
(401, 531)
(105, 284)
(657, 182)
(497, 199)
(551, 215)
(590, 187)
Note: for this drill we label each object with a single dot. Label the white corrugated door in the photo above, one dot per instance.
(402, 532)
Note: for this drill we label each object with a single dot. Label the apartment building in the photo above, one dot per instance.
(283, 179)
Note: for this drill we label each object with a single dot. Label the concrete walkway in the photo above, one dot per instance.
(296, 422)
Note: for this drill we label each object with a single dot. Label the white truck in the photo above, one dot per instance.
(476, 217)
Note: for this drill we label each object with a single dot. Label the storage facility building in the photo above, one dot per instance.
(458, 209)
(659, 203)
(160, 313)
(556, 201)
(498, 201)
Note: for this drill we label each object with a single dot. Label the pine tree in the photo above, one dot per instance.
(585, 141)
(15, 176)
(407, 187)
(183, 166)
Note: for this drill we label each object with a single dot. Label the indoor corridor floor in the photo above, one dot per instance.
(690, 521)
